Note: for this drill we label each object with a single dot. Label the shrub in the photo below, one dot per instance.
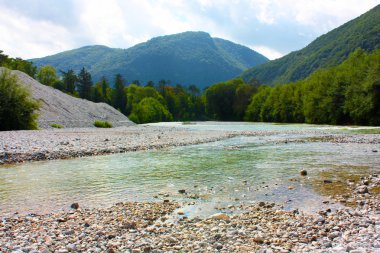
(102, 124)
(54, 125)
(150, 110)
(17, 108)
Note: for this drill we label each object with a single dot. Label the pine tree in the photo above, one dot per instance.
(84, 84)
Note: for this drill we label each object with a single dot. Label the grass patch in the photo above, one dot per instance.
(102, 124)
(54, 125)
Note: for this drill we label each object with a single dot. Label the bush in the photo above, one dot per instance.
(102, 124)
(149, 110)
(17, 108)
(54, 125)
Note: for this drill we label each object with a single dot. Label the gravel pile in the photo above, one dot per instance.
(60, 108)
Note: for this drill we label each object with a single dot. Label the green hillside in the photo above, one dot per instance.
(326, 51)
(185, 58)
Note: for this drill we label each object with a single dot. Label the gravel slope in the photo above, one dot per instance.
(58, 107)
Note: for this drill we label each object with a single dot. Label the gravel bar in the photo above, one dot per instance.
(162, 227)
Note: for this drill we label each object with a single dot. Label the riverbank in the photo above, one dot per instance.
(161, 227)
(51, 144)
(164, 226)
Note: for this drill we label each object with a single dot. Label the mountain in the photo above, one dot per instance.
(328, 50)
(60, 108)
(185, 58)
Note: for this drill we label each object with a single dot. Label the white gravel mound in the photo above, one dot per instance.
(70, 112)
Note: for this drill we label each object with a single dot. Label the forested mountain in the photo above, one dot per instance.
(326, 51)
(185, 58)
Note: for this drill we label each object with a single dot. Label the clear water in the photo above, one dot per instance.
(233, 171)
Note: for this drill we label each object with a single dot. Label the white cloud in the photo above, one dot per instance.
(270, 53)
(275, 25)
(25, 37)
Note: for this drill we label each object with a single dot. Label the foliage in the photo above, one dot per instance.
(84, 84)
(55, 125)
(346, 94)
(47, 75)
(17, 108)
(102, 124)
(186, 58)
(119, 98)
(69, 79)
(228, 100)
(328, 50)
(18, 64)
(150, 110)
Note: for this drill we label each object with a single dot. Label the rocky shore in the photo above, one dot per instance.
(50, 144)
(162, 227)
(21, 146)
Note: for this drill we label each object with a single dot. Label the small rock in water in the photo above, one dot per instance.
(182, 191)
(220, 216)
(374, 150)
(74, 205)
(327, 181)
(303, 172)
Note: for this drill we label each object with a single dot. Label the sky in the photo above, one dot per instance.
(37, 28)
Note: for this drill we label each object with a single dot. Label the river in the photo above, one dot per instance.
(213, 175)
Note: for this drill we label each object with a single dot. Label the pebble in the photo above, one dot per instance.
(219, 216)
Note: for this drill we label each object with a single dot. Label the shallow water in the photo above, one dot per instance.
(237, 170)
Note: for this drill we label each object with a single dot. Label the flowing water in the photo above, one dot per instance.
(237, 170)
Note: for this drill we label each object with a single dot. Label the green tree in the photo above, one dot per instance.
(255, 108)
(150, 110)
(47, 75)
(17, 108)
(120, 99)
(69, 79)
(222, 100)
(136, 93)
(84, 84)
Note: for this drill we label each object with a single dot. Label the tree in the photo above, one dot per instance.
(84, 84)
(150, 110)
(17, 108)
(47, 75)
(254, 109)
(120, 99)
(150, 84)
(220, 100)
(69, 79)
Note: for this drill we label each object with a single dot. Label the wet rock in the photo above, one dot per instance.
(74, 205)
(303, 173)
(182, 191)
(220, 216)
(362, 189)
(327, 181)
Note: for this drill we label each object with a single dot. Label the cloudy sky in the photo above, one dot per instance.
(36, 28)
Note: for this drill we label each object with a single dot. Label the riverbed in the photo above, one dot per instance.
(263, 163)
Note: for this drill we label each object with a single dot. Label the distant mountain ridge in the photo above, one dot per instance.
(328, 50)
(185, 58)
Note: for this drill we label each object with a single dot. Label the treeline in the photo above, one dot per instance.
(346, 94)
